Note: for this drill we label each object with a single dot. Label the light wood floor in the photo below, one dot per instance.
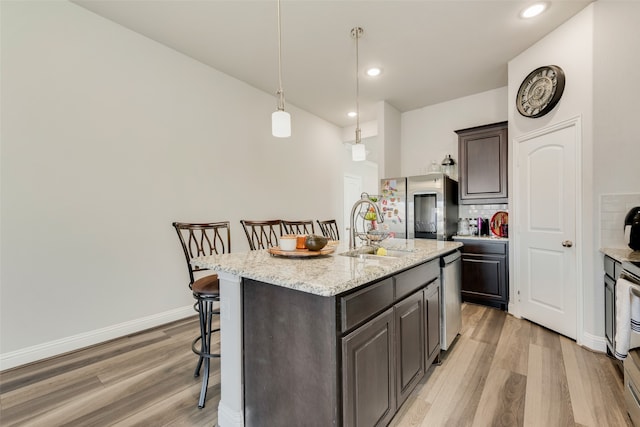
(501, 371)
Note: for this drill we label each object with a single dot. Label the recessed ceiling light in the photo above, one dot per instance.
(533, 10)
(373, 72)
(352, 114)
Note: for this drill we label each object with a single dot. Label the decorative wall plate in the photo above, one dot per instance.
(499, 219)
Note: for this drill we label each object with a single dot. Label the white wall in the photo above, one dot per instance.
(108, 137)
(571, 48)
(428, 133)
(616, 109)
(598, 51)
(390, 133)
(616, 140)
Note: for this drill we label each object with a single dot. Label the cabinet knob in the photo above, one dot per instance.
(567, 243)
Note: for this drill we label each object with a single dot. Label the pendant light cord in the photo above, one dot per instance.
(356, 33)
(280, 91)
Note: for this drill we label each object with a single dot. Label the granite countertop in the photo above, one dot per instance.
(326, 275)
(488, 238)
(622, 254)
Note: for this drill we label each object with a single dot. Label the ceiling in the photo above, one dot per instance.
(430, 51)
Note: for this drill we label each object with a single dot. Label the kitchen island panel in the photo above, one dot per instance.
(289, 356)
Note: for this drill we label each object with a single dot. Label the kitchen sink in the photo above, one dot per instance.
(370, 252)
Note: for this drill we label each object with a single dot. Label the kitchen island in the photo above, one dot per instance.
(329, 340)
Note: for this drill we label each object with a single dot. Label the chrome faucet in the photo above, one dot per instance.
(364, 198)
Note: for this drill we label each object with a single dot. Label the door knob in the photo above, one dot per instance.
(567, 243)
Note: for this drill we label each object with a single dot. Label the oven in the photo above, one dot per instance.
(631, 272)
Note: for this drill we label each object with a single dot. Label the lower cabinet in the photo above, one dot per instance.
(612, 269)
(485, 273)
(432, 321)
(368, 356)
(346, 360)
(410, 337)
(385, 358)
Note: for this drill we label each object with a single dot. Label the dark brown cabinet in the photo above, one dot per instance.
(346, 360)
(485, 273)
(369, 370)
(612, 270)
(415, 314)
(432, 321)
(410, 350)
(482, 164)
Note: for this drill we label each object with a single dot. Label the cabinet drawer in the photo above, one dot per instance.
(478, 247)
(617, 269)
(411, 280)
(360, 305)
(612, 268)
(609, 266)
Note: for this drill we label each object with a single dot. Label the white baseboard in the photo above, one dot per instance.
(594, 342)
(227, 417)
(76, 342)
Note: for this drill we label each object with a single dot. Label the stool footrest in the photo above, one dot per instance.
(200, 352)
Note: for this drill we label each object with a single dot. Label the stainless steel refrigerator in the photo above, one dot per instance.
(432, 206)
(393, 205)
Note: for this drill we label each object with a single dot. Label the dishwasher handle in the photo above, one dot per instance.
(450, 258)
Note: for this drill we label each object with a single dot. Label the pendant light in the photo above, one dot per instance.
(358, 152)
(280, 119)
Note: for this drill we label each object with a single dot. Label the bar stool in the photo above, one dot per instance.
(298, 227)
(329, 229)
(262, 234)
(201, 240)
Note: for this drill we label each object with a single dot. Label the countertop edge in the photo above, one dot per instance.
(621, 254)
(327, 276)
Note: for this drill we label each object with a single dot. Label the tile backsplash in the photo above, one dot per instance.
(484, 211)
(613, 209)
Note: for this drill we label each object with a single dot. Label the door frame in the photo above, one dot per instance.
(515, 268)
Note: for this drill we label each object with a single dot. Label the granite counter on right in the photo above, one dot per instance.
(485, 270)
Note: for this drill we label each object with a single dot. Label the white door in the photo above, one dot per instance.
(352, 192)
(545, 196)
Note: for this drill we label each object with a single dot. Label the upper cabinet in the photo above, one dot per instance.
(483, 164)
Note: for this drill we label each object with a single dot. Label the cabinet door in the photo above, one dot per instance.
(409, 345)
(610, 312)
(368, 373)
(484, 279)
(483, 164)
(432, 320)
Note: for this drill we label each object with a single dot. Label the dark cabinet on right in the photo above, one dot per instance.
(612, 269)
(482, 164)
(485, 272)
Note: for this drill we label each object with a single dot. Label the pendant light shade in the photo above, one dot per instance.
(358, 151)
(281, 124)
(280, 119)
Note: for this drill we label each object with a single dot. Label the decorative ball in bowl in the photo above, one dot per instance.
(315, 243)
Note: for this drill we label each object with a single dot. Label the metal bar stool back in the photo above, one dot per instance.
(262, 234)
(329, 229)
(201, 239)
(298, 227)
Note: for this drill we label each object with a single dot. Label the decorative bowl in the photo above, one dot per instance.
(315, 243)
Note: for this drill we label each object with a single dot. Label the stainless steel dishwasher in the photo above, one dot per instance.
(451, 300)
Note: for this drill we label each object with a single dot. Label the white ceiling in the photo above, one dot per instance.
(430, 51)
